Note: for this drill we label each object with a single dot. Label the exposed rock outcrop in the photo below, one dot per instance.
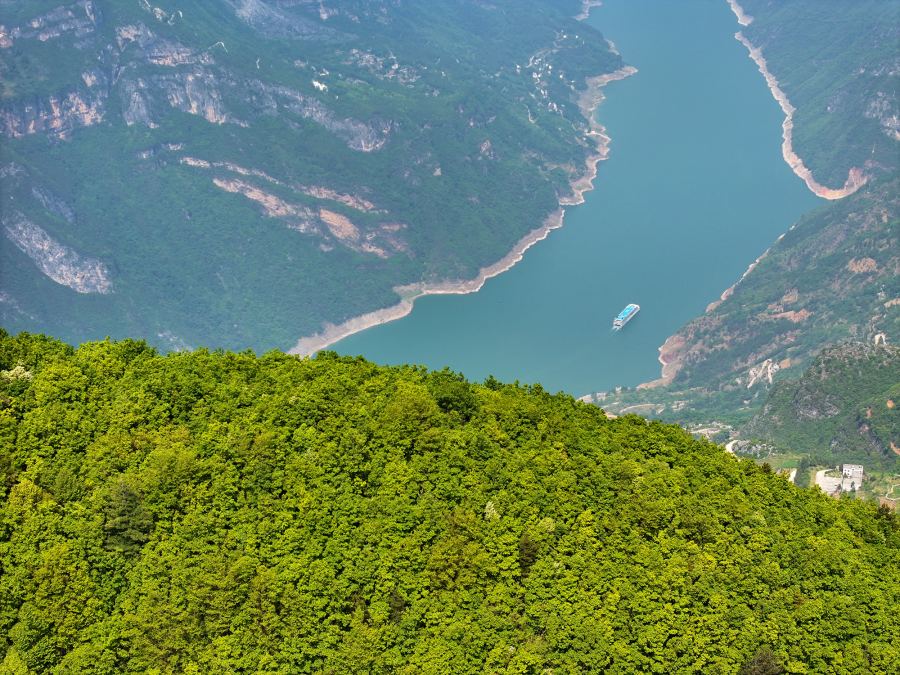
(76, 19)
(59, 262)
(57, 116)
(271, 21)
(358, 135)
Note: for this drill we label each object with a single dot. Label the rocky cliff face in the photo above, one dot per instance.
(59, 262)
(56, 116)
(146, 74)
(62, 263)
(76, 21)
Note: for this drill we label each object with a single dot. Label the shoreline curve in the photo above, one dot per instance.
(743, 18)
(588, 101)
(586, 7)
(856, 178)
(671, 352)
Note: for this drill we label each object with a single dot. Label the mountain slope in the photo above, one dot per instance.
(834, 276)
(838, 66)
(219, 511)
(240, 172)
(844, 408)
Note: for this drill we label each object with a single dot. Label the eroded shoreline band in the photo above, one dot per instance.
(855, 178)
(588, 101)
(672, 350)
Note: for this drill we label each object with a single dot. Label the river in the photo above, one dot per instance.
(694, 190)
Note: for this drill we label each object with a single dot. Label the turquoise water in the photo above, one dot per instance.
(694, 190)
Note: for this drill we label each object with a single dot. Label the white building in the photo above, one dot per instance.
(853, 471)
(851, 476)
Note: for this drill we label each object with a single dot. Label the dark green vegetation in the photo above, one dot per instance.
(844, 408)
(837, 63)
(235, 173)
(223, 512)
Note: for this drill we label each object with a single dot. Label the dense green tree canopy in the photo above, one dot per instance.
(203, 512)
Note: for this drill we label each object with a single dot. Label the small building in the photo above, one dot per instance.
(847, 478)
(851, 476)
(853, 471)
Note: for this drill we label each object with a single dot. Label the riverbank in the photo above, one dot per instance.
(670, 358)
(409, 294)
(855, 178)
(674, 349)
(588, 102)
(742, 17)
(586, 7)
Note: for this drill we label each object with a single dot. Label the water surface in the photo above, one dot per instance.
(695, 189)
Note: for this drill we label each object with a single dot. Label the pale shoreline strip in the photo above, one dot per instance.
(855, 179)
(742, 17)
(586, 7)
(671, 351)
(588, 102)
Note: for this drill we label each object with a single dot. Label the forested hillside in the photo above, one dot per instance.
(837, 63)
(212, 511)
(845, 408)
(236, 173)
